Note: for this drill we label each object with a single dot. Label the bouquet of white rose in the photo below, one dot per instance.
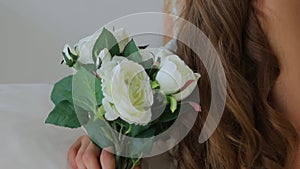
(121, 91)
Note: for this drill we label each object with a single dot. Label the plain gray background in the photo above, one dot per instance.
(33, 33)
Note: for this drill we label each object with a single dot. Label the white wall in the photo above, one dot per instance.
(33, 33)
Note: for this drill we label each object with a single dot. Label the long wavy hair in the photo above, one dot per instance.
(252, 133)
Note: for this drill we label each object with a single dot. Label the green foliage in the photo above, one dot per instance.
(173, 103)
(98, 131)
(147, 64)
(143, 145)
(106, 40)
(87, 92)
(63, 115)
(88, 67)
(70, 61)
(152, 72)
(154, 85)
(87, 97)
(168, 115)
(131, 52)
(140, 131)
(62, 90)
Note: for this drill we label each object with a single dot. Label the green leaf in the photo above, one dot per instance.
(106, 40)
(99, 133)
(98, 92)
(63, 115)
(138, 130)
(154, 85)
(168, 116)
(89, 67)
(62, 90)
(152, 72)
(69, 62)
(131, 51)
(173, 103)
(143, 145)
(100, 113)
(87, 92)
(148, 63)
(82, 115)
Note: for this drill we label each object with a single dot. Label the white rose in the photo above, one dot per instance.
(127, 91)
(84, 49)
(106, 74)
(175, 77)
(85, 46)
(104, 56)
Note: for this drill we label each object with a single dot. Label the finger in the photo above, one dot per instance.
(91, 157)
(79, 161)
(72, 153)
(107, 160)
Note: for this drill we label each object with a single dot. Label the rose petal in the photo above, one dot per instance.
(195, 106)
(110, 113)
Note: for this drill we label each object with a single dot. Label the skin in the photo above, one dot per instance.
(281, 23)
(282, 26)
(84, 154)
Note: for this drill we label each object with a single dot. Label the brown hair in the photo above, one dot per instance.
(251, 134)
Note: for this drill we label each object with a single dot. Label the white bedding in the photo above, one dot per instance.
(26, 142)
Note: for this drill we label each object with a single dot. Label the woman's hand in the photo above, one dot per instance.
(84, 154)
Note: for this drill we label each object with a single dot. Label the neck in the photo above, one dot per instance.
(296, 164)
(282, 24)
(286, 94)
